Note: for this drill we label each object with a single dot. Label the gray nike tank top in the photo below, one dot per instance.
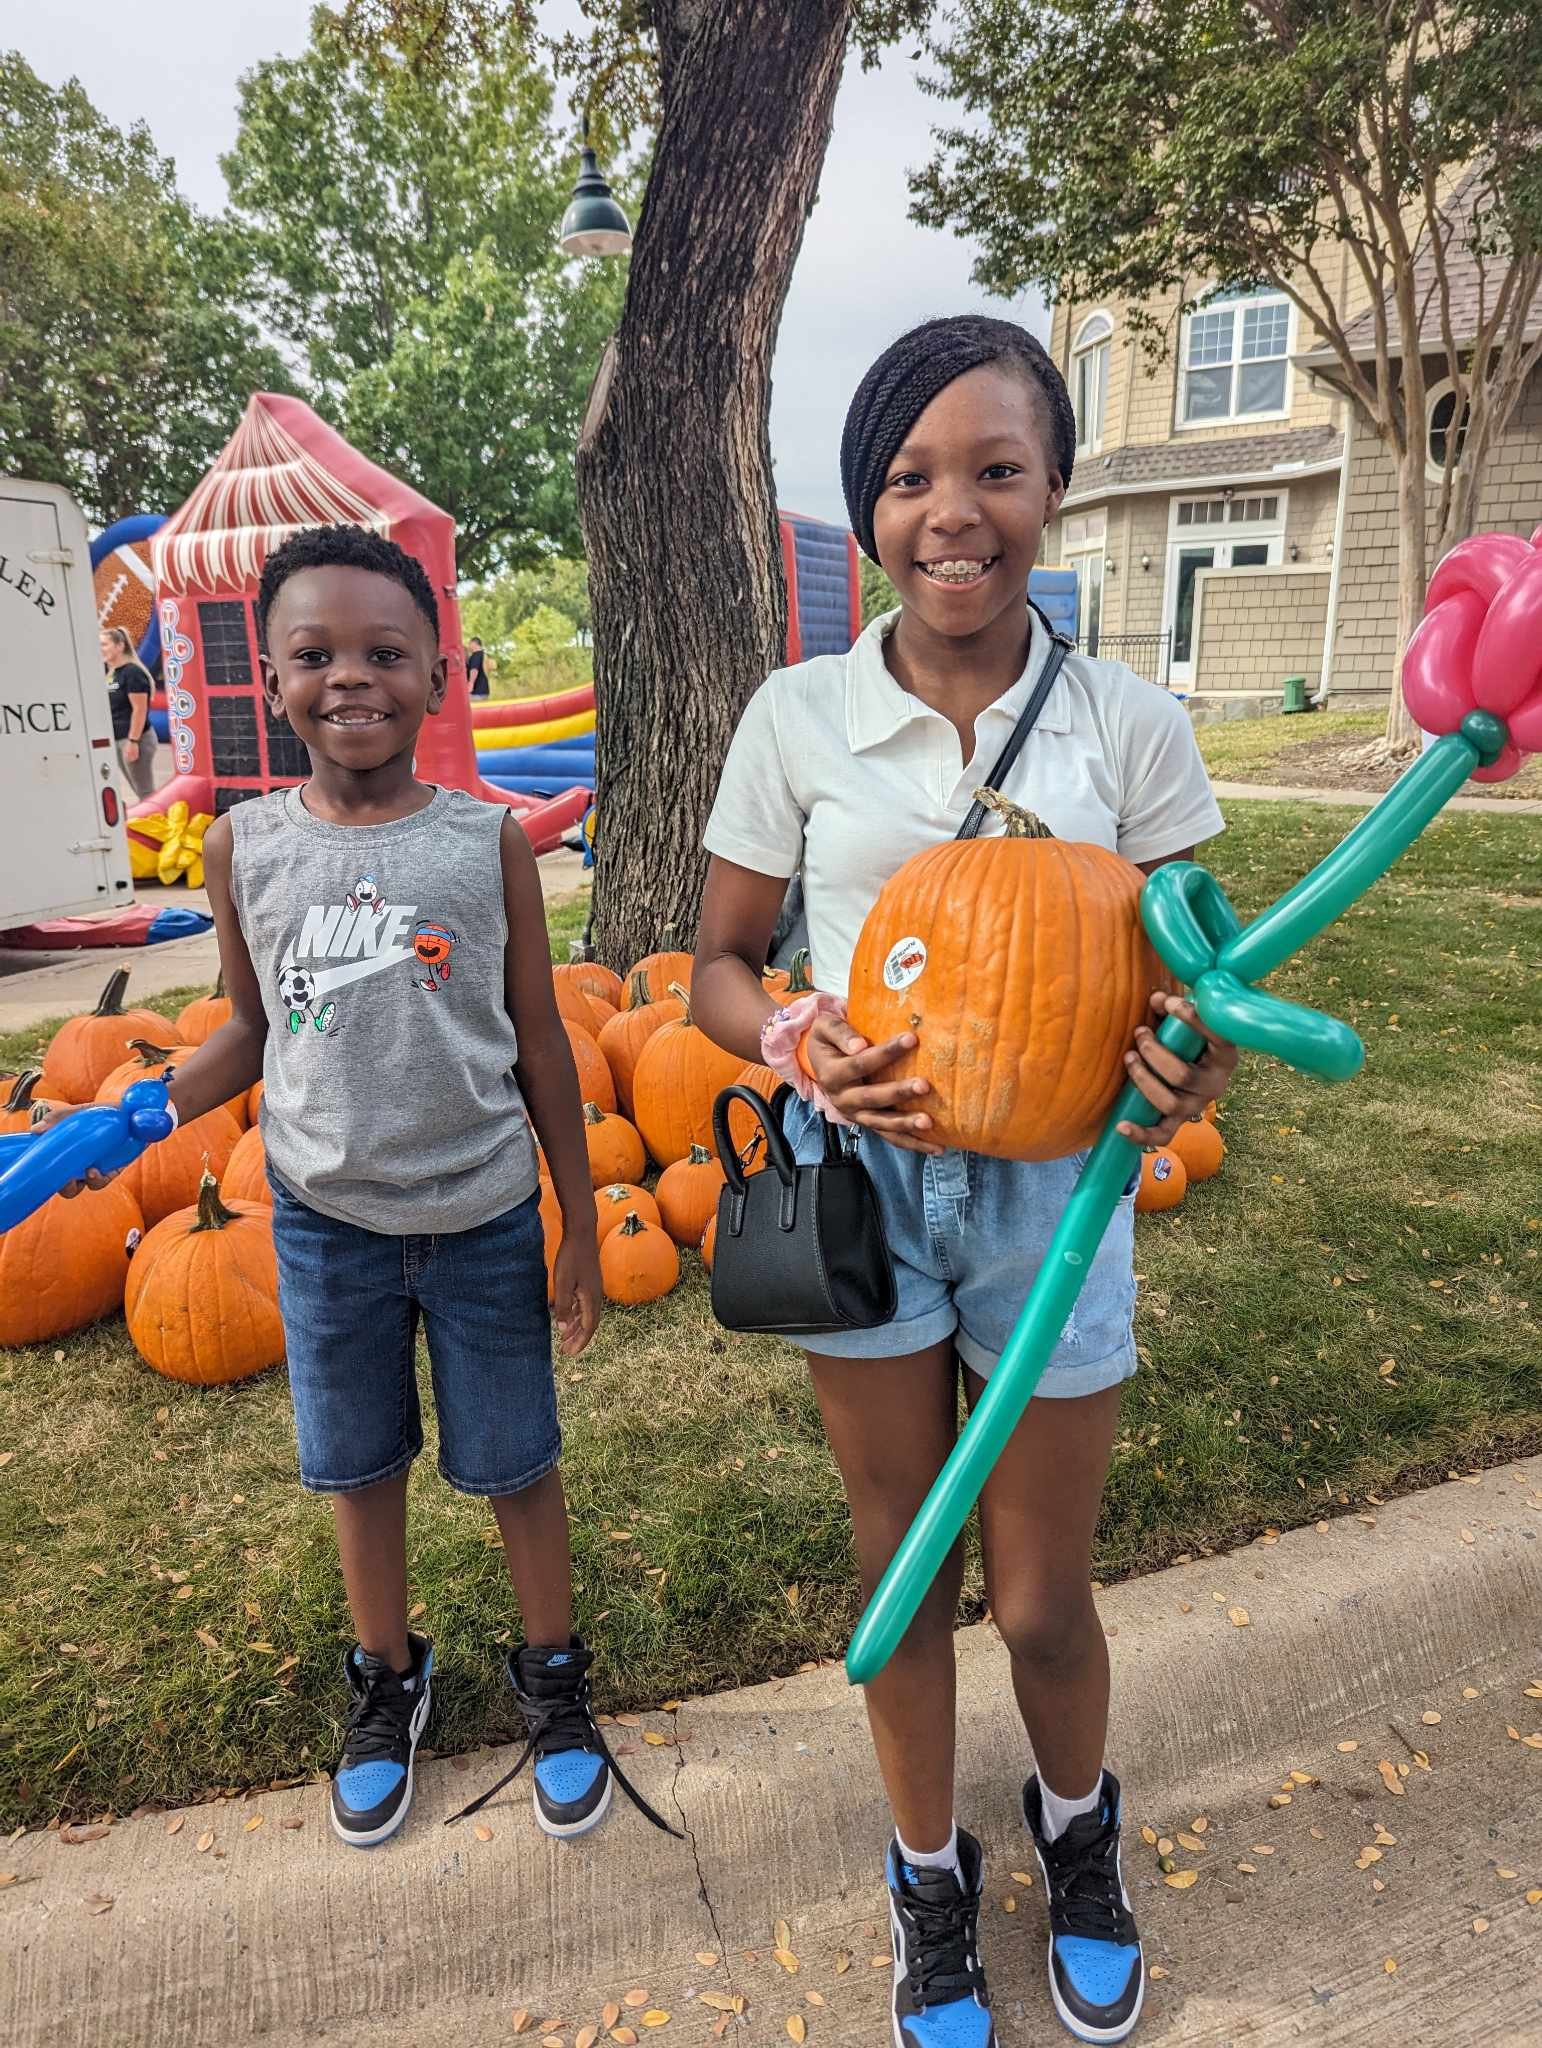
(389, 1097)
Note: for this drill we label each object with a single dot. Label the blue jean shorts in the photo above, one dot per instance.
(967, 1235)
(352, 1301)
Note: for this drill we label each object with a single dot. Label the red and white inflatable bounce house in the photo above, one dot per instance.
(283, 469)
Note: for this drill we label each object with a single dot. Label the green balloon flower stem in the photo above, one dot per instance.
(1197, 934)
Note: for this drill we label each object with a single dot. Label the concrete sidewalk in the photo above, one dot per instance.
(1277, 792)
(1382, 1689)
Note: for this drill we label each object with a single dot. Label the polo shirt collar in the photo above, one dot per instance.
(876, 706)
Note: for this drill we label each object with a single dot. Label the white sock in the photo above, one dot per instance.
(945, 1858)
(1059, 1813)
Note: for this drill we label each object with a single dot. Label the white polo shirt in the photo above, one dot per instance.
(838, 772)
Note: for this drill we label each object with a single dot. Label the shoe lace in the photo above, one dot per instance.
(377, 1721)
(566, 1722)
(939, 1947)
(1084, 1879)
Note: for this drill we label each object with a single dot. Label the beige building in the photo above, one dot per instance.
(1229, 520)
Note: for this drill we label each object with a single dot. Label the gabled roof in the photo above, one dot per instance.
(1472, 296)
(283, 468)
(1192, 461)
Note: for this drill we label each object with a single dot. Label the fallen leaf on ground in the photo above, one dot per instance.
(74, 1836)
(482, 1832)
(624, 2036)
(781, 1934)
(1430, 1718)
(1346, 1748)
(176, 1824)
(1180, 1880)
(655, 2017)
(1199, 1823)
(610, 2015)
(880, 1962)
(1389, 1777)
(1534, 1898)
(1387, 1841)
(586, 2037)
(293, 1820)
(842, 1961)
(1302, 1778)
(1279, 1799)
(706, 1958)
(1238, 1617)
(1366, 1858)
(719, 2001)
(1156, 1970)
(1009, 1903)
(1390, 1965)
(787, 1959)
(1501, 1872)
(1263, 1848)
(99, 1902)
(1480, 1926)
(1164, 1845)
(1250, 1869)
(1189, 1841)
(796, 2027)
(1022, 1877)
(254, 1822)
(629, 1720)
(635, 1997)
(206, 1840)
(814, 1998)
(651, 1735)
(1148, 1836)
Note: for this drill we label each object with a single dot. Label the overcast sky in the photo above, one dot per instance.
(866, 272)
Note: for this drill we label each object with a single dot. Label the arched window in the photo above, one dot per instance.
(1440, 413)
(1090, 353)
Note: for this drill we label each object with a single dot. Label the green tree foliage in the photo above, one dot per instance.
(496, 610)
(878, 593)
(127, 340)
(403, 214)
(1154, 152)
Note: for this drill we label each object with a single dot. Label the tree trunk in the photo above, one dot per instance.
(1412, 581)
(674, 460)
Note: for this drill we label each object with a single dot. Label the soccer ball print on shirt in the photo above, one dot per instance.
(342, 943)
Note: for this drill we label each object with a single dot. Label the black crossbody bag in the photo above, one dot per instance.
(801, 1248)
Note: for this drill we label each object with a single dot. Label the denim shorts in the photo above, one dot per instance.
(352, 1300)
(967, 1235)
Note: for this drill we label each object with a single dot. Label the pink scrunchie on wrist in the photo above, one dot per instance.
(782, 1034)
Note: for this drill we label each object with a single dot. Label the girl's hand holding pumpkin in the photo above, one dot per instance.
(846, 1068)
(577, 1292)
(1178, 1088)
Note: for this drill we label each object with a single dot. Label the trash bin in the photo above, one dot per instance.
(1295, 694)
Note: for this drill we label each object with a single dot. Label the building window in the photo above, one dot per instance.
(1089, 379)
(1082, 541)
(1235, 360)
(1441, 412)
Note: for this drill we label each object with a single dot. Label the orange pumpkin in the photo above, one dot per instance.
(202, 1296)
(637, 1262)
(709, 1244)
(85, 1050)
(253, 1101)
(204, 1015)
(23, 1102)
(614, 1204)
(593, 978)
(166, 1177)
(679, 1075)
(615, 1150)
(574, 1007)
(146, 1062)
(1021, 965)
(594, 1077)
(666, 966)
(1163, 1180)
(64, 1265)
(551, 1234)
(1209, 1111)
(603, 1012)
(688, 1192)
(623, 1038)
(1201, 1148)
(246, 1176)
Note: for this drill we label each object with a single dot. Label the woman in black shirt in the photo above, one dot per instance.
(128, 690)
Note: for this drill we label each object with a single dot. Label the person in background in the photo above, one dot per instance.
(128, 690)
(476, 668)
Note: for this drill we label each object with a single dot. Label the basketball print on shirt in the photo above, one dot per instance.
(342, 943)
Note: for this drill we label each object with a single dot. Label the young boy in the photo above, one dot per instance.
(384, 945)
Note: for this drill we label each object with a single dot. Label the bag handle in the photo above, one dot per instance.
(1053, 662)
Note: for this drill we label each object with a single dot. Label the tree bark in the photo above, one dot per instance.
(1412, 581)
(674, 460)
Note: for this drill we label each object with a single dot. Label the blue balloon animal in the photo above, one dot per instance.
(104, 1136)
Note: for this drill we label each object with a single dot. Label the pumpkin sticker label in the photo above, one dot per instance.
(1161, 1167)
(906, 963)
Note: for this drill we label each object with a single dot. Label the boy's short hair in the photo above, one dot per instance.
(344, 547)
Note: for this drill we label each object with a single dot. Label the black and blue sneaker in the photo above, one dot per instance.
(573, 1766)
(940, 1999)
(1097, 1974)
(372, 1784)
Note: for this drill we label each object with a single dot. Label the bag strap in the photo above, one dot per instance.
(1053, 662)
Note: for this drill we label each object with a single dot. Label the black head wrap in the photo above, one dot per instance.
(908, 376)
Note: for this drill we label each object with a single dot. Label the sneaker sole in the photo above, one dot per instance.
(1079, 2028)
(566, 1830)
(388, 1828)
(897, 1942)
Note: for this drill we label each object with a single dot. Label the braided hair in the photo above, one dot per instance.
(908, 376)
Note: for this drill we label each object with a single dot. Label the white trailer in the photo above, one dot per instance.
(63, 846)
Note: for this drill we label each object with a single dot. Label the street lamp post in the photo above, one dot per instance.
(594, 224)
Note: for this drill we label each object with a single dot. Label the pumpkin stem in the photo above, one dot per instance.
(700, 1156)
(798, 983)
(219, 984)
(1020, 824)
(667, 941)
(20, 1096)
(111, 1004)
(593, 1114)
(632, 1226)
(683, 995)
(639, 995)
(151, 1055)
(212, 1213)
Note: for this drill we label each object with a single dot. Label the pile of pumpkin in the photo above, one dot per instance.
(1194, 1152)
(181, 1240)
(649, 1078)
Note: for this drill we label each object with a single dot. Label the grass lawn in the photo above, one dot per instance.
(170, 1615)
(1310, 752)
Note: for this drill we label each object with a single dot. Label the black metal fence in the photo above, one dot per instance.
(1147, 653)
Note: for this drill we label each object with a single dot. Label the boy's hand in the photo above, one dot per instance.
(578, 1296)
(847, 1068)
(48, 1113)
(1178, 1088)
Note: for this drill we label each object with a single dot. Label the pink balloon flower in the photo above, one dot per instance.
(1479, 645)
